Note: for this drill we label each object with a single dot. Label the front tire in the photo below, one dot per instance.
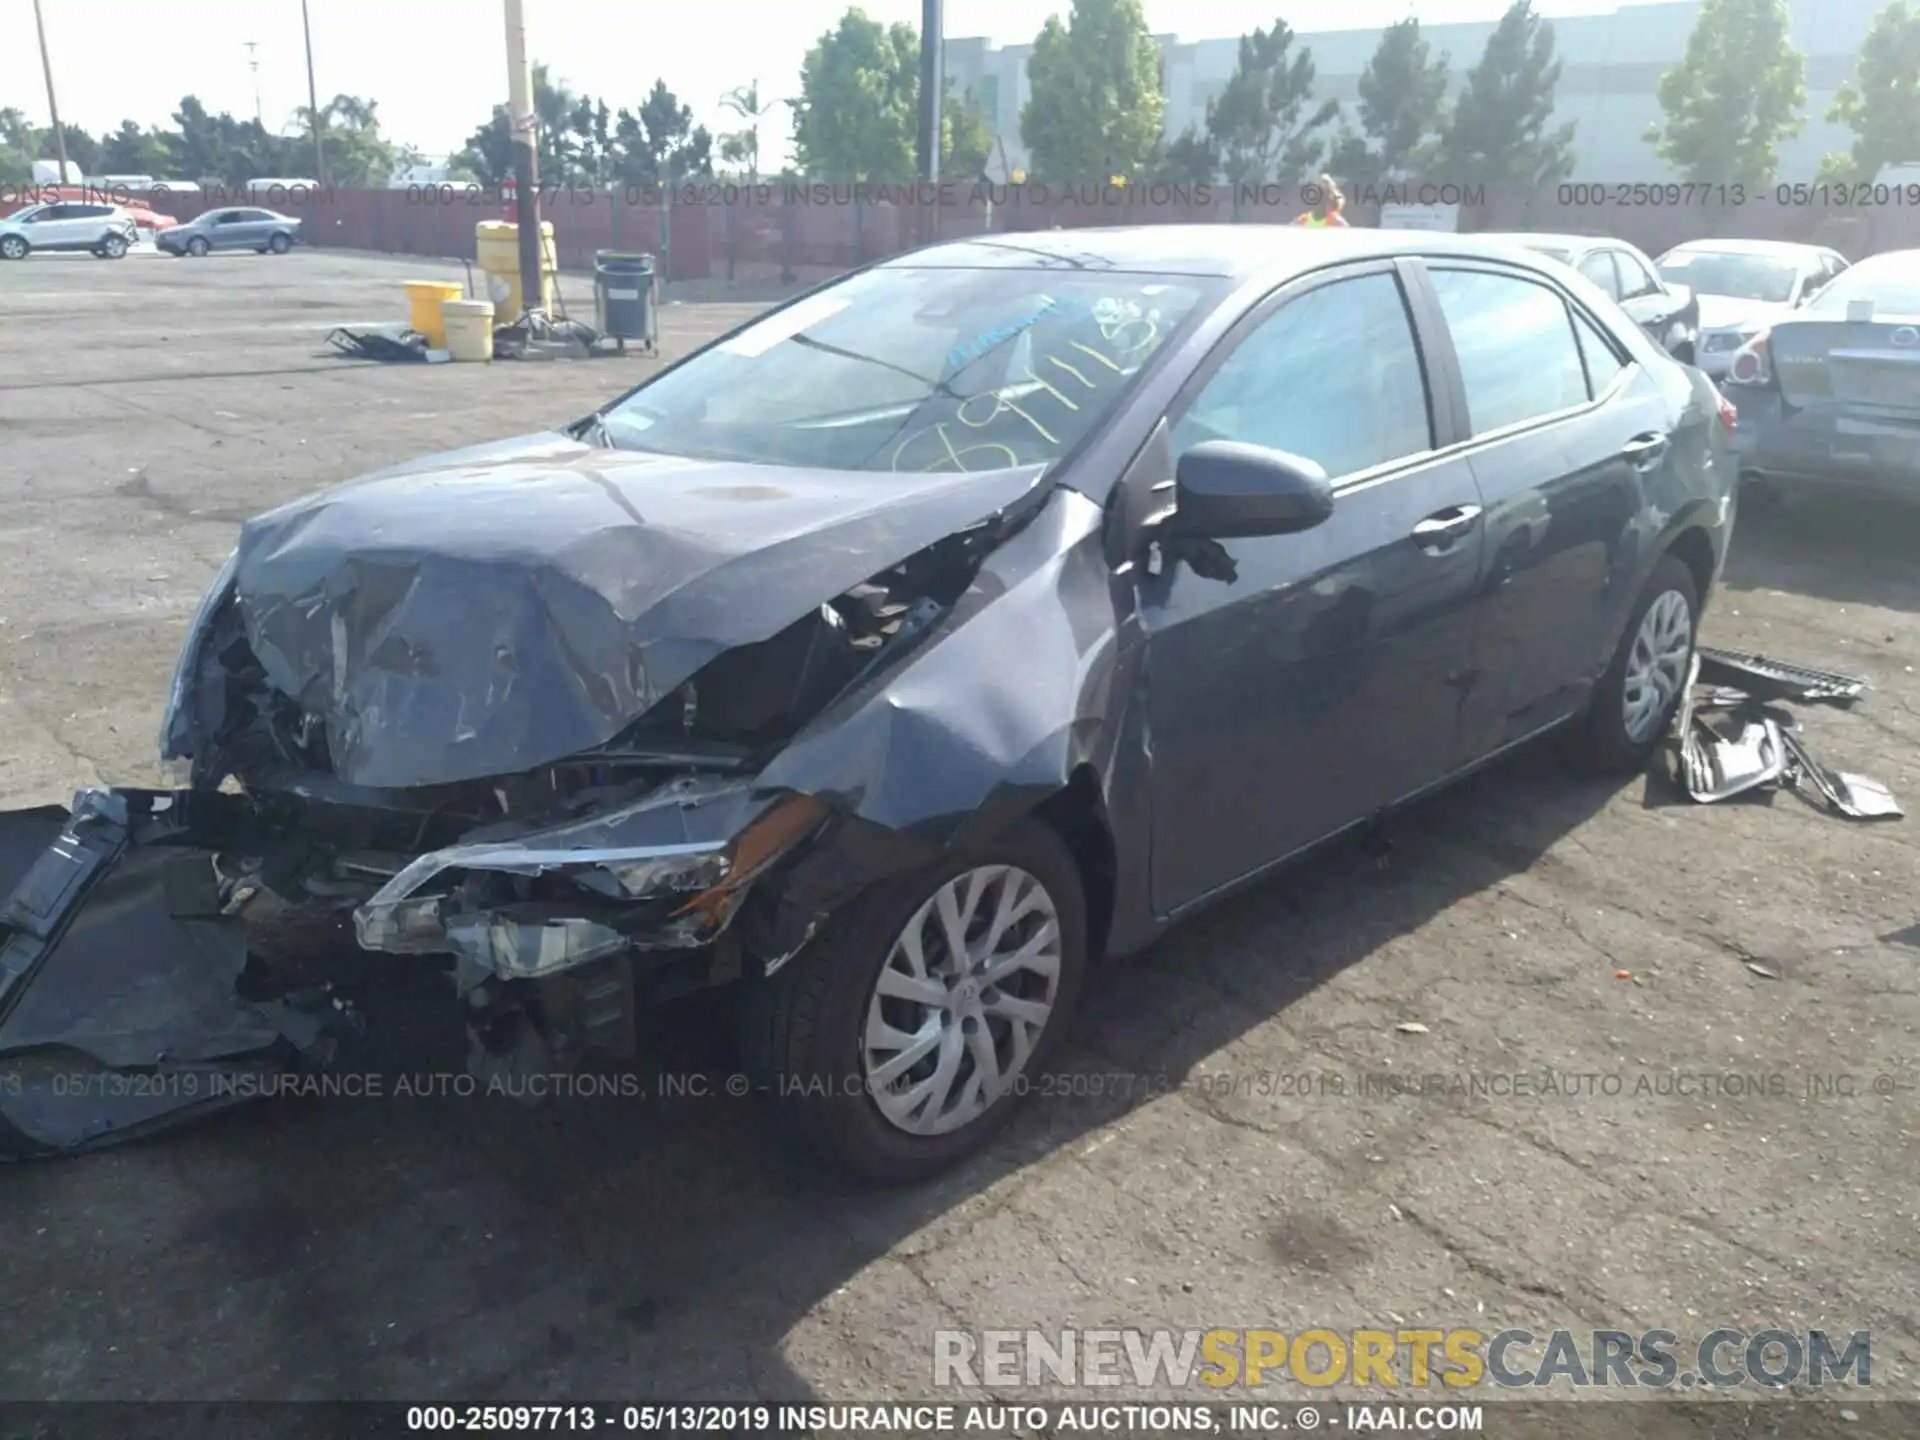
(1634, 704)
(13, 247)
(280, 244)
(198, 247)
(903, 1037)
(114, 247)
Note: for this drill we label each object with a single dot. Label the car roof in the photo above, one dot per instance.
(1223, 251)
(1532, 240)
(1779, 249)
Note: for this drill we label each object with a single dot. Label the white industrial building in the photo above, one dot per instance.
(1611, 62)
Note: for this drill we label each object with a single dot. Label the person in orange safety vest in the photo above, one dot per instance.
(1326, 210)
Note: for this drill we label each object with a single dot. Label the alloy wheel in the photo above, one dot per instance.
(1657, 665)
(959, 1006)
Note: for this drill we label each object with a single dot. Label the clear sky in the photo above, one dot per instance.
(437, 67)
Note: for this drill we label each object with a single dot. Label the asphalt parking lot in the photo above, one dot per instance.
(468, 1249)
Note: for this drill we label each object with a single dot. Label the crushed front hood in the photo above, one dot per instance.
(501, 608)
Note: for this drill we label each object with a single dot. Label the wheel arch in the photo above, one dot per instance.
(1077, 813)
(1692, 547)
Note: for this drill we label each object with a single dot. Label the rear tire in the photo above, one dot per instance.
(1634, 704)
(815, 1033)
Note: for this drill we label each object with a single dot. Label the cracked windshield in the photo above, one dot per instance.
(913, 370)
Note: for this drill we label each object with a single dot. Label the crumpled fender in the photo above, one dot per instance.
(990, 714)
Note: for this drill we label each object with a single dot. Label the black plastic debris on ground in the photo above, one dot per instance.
(537, 335)
(390, 344)
(119, 1011)
(1735, 739)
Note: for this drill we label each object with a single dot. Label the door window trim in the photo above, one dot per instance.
(1615, 293)
(1621, 259)
(1418, 328)
(1465, 441)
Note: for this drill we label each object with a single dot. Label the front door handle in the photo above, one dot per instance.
(1644, 451)
(1437, 533)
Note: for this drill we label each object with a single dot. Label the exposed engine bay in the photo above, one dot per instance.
(545, 906)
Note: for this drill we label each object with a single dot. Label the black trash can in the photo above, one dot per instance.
(623, 297)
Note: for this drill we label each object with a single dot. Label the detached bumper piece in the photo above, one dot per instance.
(1734, 738)
(119, 1012)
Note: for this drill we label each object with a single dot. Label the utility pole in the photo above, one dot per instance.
(932, 80)
(53, 109)
(526, 156)
(313, 104)
(253, 64)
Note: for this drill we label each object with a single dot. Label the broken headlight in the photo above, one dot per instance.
(509, 940)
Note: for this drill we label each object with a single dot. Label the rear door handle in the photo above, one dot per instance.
(1438, 531)
(1644, 451)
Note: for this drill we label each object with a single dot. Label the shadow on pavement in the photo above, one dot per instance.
(642, 1247)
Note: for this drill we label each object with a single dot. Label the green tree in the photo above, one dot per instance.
(558, 152)
(82, 149)
(661, 145)
(227, 151)
(1096, 108)
(1191, 158)
(357, 153)
(1500, 131)
(18, 144)
(1403, 93)
(1261, 122)
(966, 135)
(1881, 103)
(856, 117)
(1734, 96)
(131, 150)
(591, 125)
(742, 147)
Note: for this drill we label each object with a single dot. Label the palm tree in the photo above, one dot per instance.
(744, 145)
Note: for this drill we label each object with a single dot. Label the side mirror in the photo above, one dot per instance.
(1224, 489)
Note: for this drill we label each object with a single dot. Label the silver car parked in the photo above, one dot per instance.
(244, 228)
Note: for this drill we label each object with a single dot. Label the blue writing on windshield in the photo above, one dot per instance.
(969, 351)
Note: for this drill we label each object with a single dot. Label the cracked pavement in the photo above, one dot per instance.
(1219, 1147)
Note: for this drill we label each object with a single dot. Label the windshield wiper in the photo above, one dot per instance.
(593, 431)
(937, 387)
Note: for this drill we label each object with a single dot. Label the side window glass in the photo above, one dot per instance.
(1602, 361)
(1635, 278)
(1598, 267)
(1333, 376)
(54, 212)
(1518, 356)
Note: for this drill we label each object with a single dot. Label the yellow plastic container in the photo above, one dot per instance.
(469, 328)
(424, 299)
(496, 246)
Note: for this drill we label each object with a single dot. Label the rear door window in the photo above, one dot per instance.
(1603, 361)
(1598, 267)
(1519, 358)
(1636, 278)
(1333, 375)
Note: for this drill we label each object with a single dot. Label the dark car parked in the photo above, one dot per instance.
(1831, 397)
(1669, 313)
(894, 657)
(245, 228)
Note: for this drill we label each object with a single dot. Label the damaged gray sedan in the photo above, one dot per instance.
(891, 659)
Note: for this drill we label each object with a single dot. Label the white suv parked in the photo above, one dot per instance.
(68, 225)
